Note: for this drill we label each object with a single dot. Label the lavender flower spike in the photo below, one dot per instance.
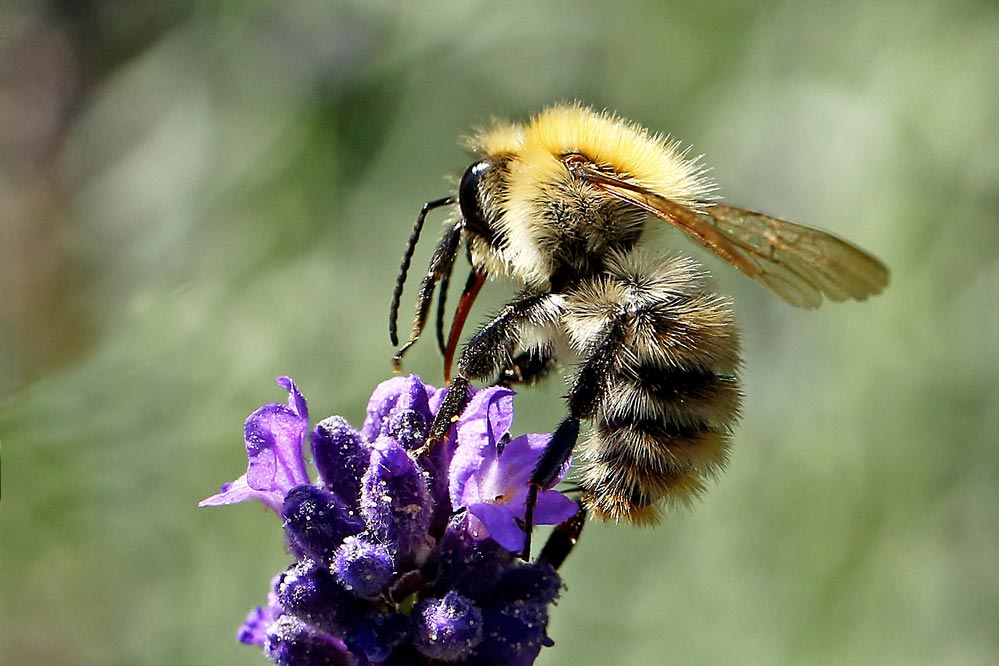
(397, 559)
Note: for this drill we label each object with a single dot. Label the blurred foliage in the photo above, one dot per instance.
(196, 197)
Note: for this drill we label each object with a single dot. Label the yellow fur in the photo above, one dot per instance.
(532, 153)
(501, 139)
(650, 160)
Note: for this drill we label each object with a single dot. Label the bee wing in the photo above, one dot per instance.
(798, 263)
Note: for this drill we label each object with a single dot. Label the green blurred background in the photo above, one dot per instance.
(196, 197)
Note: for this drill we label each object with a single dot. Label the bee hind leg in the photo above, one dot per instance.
(585, 396)
(563, 539)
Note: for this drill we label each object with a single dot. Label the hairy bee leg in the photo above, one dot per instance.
(451, 408)
(528, 367)
(588, 389)
(481, 356)
(585, 396)
(563, 539)
(491, 348)
(440, 264)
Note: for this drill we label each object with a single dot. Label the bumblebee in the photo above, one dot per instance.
(561, 206)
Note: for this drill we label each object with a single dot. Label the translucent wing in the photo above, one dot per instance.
(798, 263)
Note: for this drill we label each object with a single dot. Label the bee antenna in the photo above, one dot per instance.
(400, 280)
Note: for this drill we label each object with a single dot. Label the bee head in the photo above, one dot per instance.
(470, 197)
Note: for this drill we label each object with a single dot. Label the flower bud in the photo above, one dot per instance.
(448, 629)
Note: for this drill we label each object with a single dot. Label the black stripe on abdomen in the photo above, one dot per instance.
(659, 435)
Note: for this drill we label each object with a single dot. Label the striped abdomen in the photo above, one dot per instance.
(668, 393)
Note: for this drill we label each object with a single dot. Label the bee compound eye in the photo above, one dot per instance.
(468, 197)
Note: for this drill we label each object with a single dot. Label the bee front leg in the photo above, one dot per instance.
(440, 267)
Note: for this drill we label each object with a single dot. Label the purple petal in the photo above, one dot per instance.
(502, 480)
(526, 450)
(485, 421)
(520, 457)
(553, 507)
(238, 491)
(500, 524)
(499, 412)
(469, 460)
(254, 628)
(494, 490)
(472, 494)
(494, 407)
(296, 401)
(274, 435)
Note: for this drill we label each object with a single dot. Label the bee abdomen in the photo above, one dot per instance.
(664, 353)
(659, 436)
(678, 399)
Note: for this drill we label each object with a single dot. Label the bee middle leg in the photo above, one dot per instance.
(489, 350)
(528, 367)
